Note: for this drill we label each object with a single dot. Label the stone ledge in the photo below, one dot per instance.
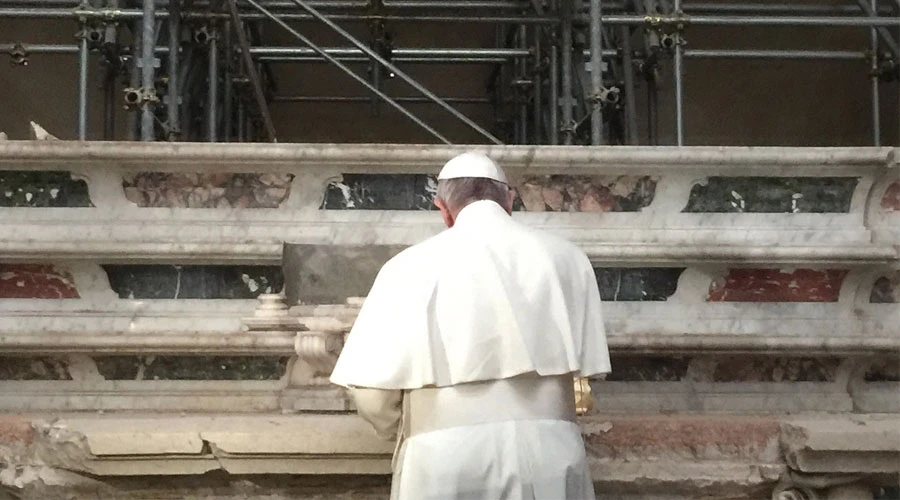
(682, 456)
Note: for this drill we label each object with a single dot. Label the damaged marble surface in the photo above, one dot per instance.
(193, 282)
(191, 367)
(21, 188)
(203, 190)
(778, 285)
(36, 281)
(619, 284)
(772, 195)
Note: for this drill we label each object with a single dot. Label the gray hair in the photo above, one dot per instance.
(459, 192)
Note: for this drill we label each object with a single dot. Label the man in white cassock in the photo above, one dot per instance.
(466, 348)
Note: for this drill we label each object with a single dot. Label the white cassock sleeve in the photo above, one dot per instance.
(380, 407)
(594, 348)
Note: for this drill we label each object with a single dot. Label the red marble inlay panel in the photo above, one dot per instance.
(777, 285)
(36, 281)
(890, 202)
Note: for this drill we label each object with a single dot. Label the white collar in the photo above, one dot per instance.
(478, 211)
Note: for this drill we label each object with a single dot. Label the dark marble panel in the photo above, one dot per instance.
(887, 493)
(191, 367)
(565, 193)
(648, 368)
(19, 188)
(34, 368)
(36, 281)
(773, 195)
(381, 192)
(776, 285)
(886, 290)
(637, 283)
(582, 193)
(200, 190)
(887, 370)
(193, 282)
(774, 369)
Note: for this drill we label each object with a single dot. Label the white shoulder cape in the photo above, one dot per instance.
(485, 300)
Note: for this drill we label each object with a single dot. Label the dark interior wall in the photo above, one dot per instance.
(728, 102)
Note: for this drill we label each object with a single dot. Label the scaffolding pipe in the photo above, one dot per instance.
(355, 99)
(886, 38)
(228, 85)
(83, 54)
(397, 52)
(523, 94)
(412, 4)
(775, 21)
(876, 104)
(349, 72)
(212, 97)
(615, 19)
(252, 74)
(679, 83)
(406, 60)
(109, 104)
(172, 112)
(596, 73)
(387, 64)
(631, 132)
(132, 120)
(775, 54)
(241, 119)
(148, 42)
(554, 95)
(652, 110)
(741, 8)
(536, 89)
(121, 14)
(762, 8)
(566, 63)
(302, 54)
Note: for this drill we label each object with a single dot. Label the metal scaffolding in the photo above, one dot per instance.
(565, 71)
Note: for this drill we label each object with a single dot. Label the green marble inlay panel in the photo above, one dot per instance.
(381, 192)
(621, 284)
(648, 368)
(191, 367)
(20, 188)
(772, 195)
(34, 368)
(555, 193)
(775, 369)
(193, 282)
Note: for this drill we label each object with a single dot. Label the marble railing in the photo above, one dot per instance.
(697, 250)
(236, 203)
(736, 280)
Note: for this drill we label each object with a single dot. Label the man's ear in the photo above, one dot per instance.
(512, 199)
(445, 212)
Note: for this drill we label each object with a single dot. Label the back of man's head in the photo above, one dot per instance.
(472, 177)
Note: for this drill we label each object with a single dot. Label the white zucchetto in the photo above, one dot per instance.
(472, 165)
